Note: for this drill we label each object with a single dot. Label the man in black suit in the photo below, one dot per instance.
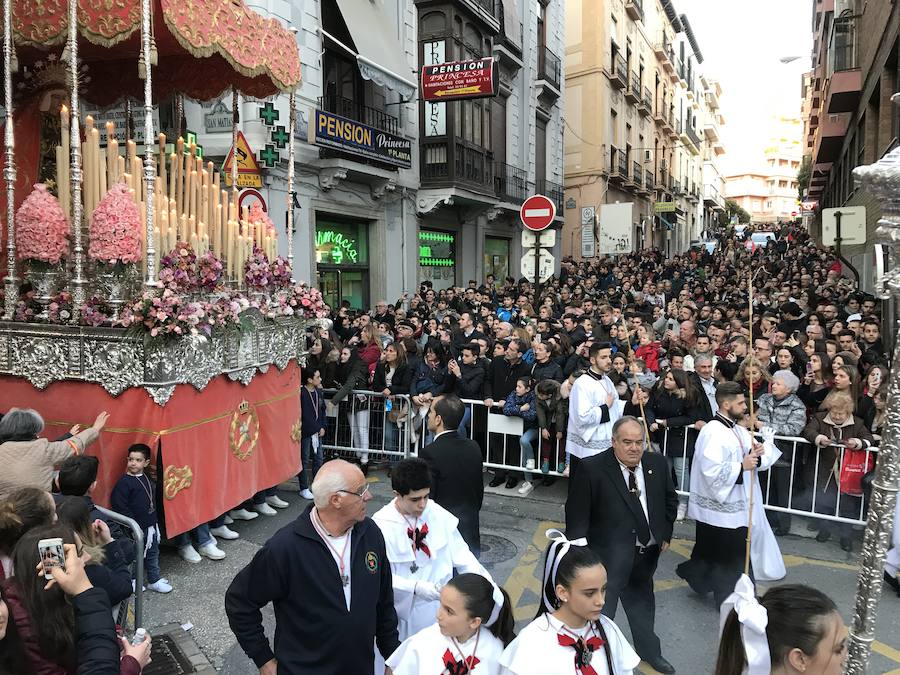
(456, 467)
(624, 502)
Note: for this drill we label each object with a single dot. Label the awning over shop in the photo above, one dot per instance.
(380, 55)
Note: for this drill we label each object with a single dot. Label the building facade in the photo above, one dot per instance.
(635, 138)
(768, 192)
(481, 158)
(848, 115)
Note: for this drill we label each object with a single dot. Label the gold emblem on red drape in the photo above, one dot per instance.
(176, 479)
(244, 432)
(295, 431)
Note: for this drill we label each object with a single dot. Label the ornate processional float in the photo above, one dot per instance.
(132, 281)
(882, 180)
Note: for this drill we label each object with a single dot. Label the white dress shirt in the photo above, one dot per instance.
(642, 496)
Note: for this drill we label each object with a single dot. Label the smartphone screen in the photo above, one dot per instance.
(52, 555)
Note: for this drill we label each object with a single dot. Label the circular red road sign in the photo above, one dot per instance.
(537, 212)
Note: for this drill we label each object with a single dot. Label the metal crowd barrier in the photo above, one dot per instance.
(498, 435)
(796, 474)
(138, 535)
(360, 426)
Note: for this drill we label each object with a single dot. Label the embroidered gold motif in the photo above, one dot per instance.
(244, 432)
(176, 479)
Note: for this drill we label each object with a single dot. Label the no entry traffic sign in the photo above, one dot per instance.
(537, 212)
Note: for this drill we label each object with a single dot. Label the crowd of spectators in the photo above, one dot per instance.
(677, 327)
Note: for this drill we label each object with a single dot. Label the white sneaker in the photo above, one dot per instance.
(307, 494)
(264, 509)
(227, 520)
(189, 554)
(212, 552)
(364, 458)
(164, 580)
(277, 502)
(525, 488)
(243, 514)
(224, 532)
(682, 511)
(565, 472)
(529, 464)
(160, 587)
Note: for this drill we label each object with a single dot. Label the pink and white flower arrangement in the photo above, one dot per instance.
(42, 229)
(306, 302)
(97, 312)
(257, 273)
(28, 308)
(209, 271)
(177, 269)
(115, 237)
(167, 316)
(281, 273)
(60, 308)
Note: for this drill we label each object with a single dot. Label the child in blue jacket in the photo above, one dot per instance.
(521, 403)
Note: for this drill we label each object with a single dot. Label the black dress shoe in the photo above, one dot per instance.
(823, 536)
(782, 531)
(496, 481)
(892, 582)
(847, 544)
(511, 482)
(660, 665)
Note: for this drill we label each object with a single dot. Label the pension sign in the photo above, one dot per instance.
(475, 78)
(340, 133)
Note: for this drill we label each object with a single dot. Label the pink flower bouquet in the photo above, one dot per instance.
(115, 237)
(257, 273)
(42, 230)
(209, 271)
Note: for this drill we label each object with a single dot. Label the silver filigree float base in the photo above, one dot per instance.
(117, 361)
(113, 287)
(45, 281)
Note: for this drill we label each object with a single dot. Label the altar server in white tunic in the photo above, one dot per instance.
(471, 632)
(570, 636)
(724, 457)
(424, 547)
(594, 406)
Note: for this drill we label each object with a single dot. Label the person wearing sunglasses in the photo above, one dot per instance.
(328, 577)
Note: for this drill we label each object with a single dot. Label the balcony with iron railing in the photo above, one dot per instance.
(634, 9)
(452, 161)
(359, 112)
(637, 174)
(664, 181)
(633, 92)
(665, 53)
(645, 107)
(669, 127)
(554, 191)
(616, 162)
(618, 70)
(649, 181)
(676, 188)
(511, 183)
(549, 67)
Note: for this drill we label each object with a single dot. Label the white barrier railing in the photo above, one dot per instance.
(793, 486)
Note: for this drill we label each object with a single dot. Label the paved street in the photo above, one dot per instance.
(513, 528)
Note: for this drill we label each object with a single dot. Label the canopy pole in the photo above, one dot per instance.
(10, 281)
(149, 137)
(292, 125)
(880, 179)
(79, 282)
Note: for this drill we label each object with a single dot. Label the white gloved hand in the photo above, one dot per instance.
(428, 590)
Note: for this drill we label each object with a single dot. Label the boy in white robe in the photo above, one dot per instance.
(594, 406)
(423, 547)
(725, 456)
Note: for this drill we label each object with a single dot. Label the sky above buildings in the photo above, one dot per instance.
(743, 45)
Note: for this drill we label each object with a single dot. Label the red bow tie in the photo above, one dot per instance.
(584, 649)
(418, 538)
(454, 667)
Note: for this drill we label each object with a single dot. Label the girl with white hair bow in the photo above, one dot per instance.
(792, 629)
(570, 636)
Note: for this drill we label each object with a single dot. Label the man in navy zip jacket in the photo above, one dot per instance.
(329, 580)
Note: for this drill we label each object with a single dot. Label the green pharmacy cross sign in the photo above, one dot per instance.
(280, 137)
(269, 156)
(269, 114)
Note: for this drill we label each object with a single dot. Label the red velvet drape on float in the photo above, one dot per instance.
(27, 132)
(218, 446)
